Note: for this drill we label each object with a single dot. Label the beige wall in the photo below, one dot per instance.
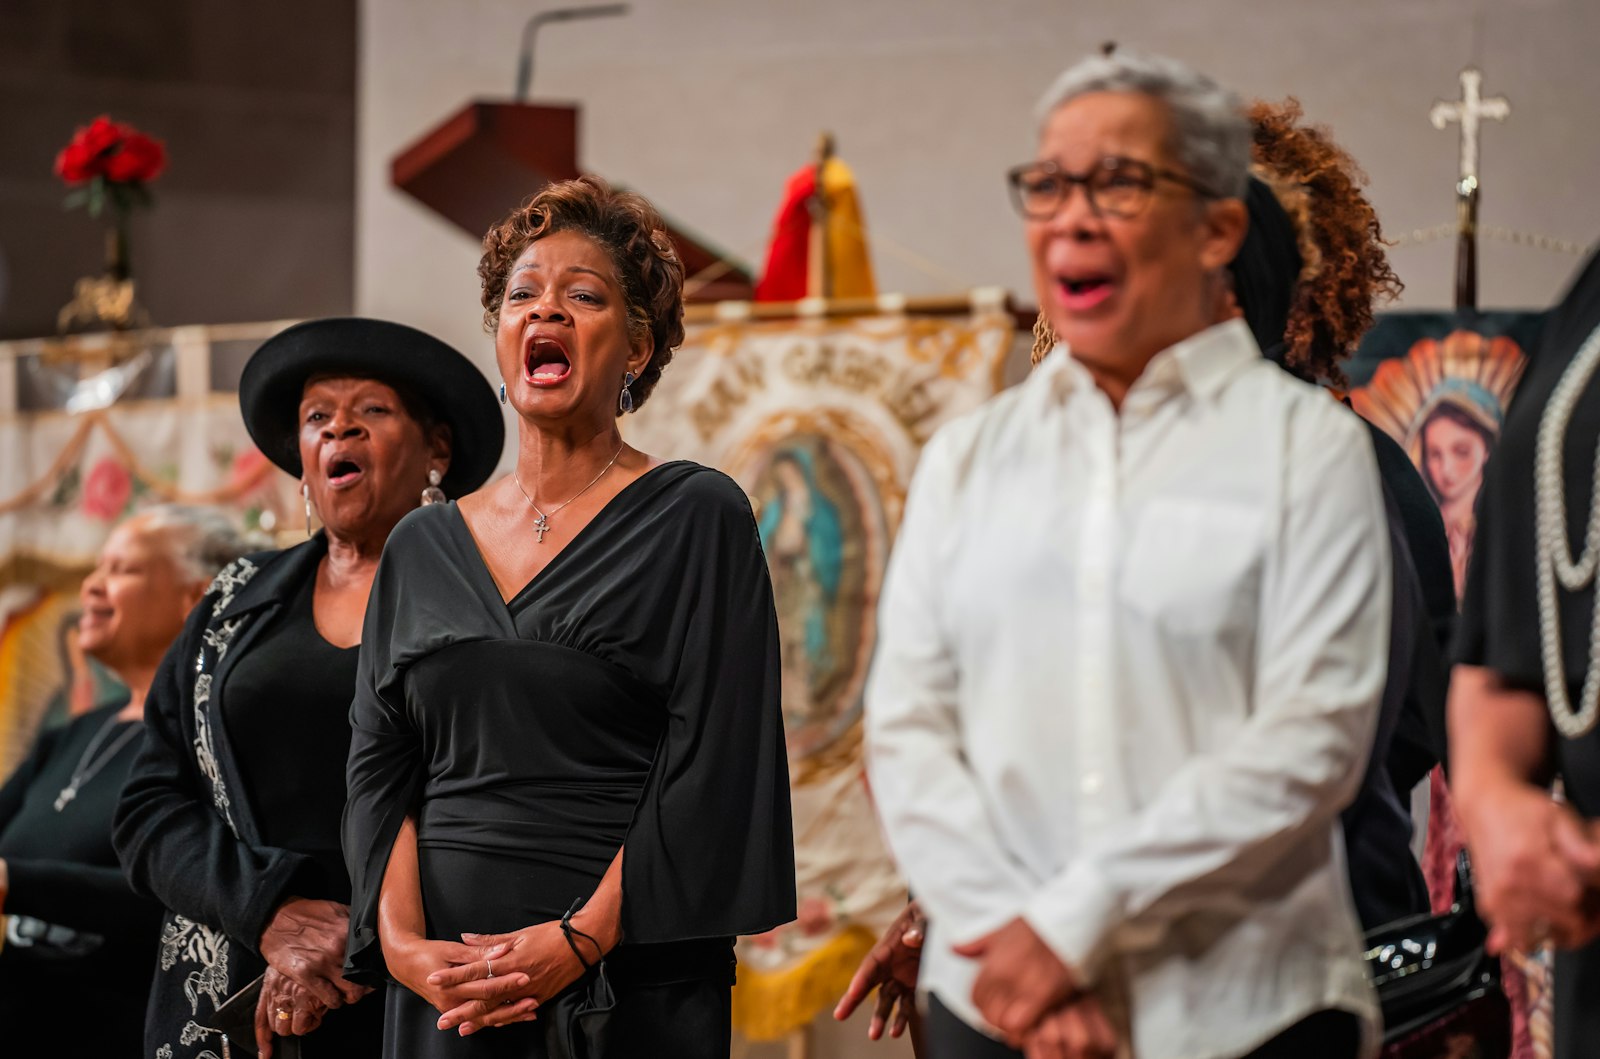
(707, 105)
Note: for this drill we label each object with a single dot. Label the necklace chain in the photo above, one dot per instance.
(87, 769)
(1555, 561)
(541, 525)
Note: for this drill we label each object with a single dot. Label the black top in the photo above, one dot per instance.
(289, 719)
(1500, 608)
(189, 832)
(1423, 528)
(79, 938)
(1419, 741)
(626, 697)
(1385, 879)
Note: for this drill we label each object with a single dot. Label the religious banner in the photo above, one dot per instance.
(1439, 384)
(85, 445)
(821, 421)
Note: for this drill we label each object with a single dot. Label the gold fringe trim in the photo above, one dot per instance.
(770, 1006)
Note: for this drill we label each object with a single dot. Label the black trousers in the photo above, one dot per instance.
(1324, 1035)
(1577, 1015)
(951, 1038)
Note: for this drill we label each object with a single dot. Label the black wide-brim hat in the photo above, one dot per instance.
(417, 363)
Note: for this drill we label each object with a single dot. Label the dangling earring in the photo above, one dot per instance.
(305, 492)
(502, 393)
(627, 394)
(433, 494)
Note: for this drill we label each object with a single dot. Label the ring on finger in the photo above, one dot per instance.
(283, 1015)
(490, 965)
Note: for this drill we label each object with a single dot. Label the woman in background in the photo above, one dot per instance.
(77, 938)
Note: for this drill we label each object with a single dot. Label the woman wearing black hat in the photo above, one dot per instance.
(568, 739)
(231, 814)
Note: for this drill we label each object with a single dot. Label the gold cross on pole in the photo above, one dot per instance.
(1469, 110)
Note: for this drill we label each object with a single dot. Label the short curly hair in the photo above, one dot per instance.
(1346, 264)
(632, 234)
(1346, 268)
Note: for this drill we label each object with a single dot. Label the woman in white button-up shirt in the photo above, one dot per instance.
(1133, 634)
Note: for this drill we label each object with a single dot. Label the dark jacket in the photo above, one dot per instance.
(184, 831)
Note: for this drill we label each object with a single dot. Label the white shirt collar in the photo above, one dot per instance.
(1199, 364)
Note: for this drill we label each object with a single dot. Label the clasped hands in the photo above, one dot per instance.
(303, 945)
(1023, 989)
(1536, 867)
(1036, 1001)
(493, 979)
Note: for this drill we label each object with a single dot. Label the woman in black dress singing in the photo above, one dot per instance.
(568, 787)
(231, 815)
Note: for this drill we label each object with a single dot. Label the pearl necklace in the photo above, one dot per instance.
(1554, 556)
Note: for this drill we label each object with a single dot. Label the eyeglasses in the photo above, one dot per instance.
(1119, 187)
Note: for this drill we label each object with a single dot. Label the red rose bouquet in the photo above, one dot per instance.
(107, 165)
(107, 161)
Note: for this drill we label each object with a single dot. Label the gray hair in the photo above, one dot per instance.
(201, 540)
(1211, 135)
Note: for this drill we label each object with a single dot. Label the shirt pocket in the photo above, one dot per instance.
(1193, 567)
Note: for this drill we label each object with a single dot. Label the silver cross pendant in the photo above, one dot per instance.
(541, 526)
(66, 795)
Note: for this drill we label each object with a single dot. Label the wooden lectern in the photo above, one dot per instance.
(481, 161)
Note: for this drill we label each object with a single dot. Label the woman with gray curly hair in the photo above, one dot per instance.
(568, 787)
(76, 936)
(1132, 635)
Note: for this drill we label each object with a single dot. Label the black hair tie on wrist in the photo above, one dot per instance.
(568, 930)
(582, 1013)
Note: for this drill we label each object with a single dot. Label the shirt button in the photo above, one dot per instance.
(1090, 784)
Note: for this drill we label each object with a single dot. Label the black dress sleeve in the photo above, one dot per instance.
(172, 844)
(710, 850)
(385, 773)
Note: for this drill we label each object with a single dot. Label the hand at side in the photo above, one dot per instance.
(890, 968)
